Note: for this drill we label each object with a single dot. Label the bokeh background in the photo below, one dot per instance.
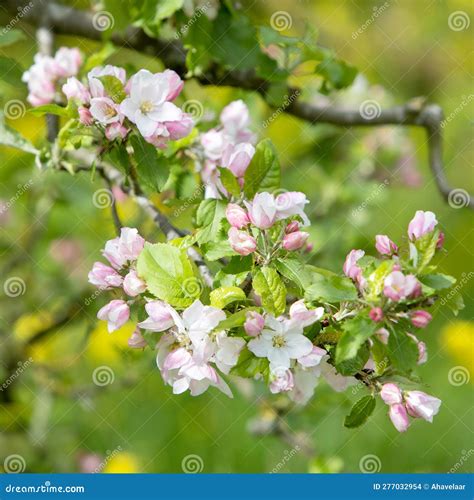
(361, 182)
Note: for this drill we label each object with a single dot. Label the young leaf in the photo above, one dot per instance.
(10, 71)
(294, 270)
(223, 296)
(353, 365)
(10, 137)
(360, 412)
(208, 218)
(269, 286)
(9, 37)
(114, 87)
(263, 172)
(355, 332)
(426, 247)
(230, 182)
(375, 282)
(51, 109)
(402, 350)
(329, 287)
(152, 169)
(169, 274)
(249, 365)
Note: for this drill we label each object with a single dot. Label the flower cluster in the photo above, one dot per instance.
(46, 74)
(115, 104)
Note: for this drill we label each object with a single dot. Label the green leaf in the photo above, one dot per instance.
(9, 37)
(330, 287)
(234, 320)
(263, 172)
(248, 365)
(10, 71)
(360, 412)
(169, 274)
(50, 109)
(294, 270)
(12, 138)
(215, 250)
(152, 168)
(223, 296)
(230, 182)
(402, 350)
(166, 8)
(355, 332)
(208, 218)
(99, 58)
(438, 281)
(271, 289)
(114, 87)
(426, 248)
(338, 74)
(355, 364)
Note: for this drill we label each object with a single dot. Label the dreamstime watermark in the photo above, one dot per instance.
(465, 456)
(88, 300)
(370, 109)
(14, 109)
(464, 102)
(103, 20)
(103, 375)
(458, 375)
(375, 193)
(459, 20)
(21, 189)
(287, 101)
(197, 193)
(109, 455)
(14, 464)
(22, 11)
(465, 278)
(281, 20)
(197, 14)
(22, 366)
(370, 464)
(458, 198)
(194, 108)
(378, 10)
(192, 287)
(192, 464)
(287, 456)
(103, 198)
(14, 287)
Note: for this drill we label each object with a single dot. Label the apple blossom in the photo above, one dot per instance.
(291, 203)
(136, 340)
(422, 405)
(304, 316)
(175, 84)
(235, 119)
(398, 286)
(398, 416)
(391, 394)
(281, 380)
(116, 131)
(104, 276)
(214, 143)
(236, 216)
(85, 116)
(262, 210)
(254, 323)
(312, 359)
(421, 224)
(294, 241)
(237, 157)
(74, 89)
(159, 317)
(130, 243)
(382, 334)
(350, 268)
(104, 110)
(420, 318)
(241, 242)
(67, 61)
(384, 245)
(116, 313)
(376, 314)
(133, 285)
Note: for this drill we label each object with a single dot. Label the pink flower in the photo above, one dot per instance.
(350, 268)
(175, 84)
(391, 394)
(304, 316)
(281, 381)
(420, 318)
(133, 285)
(116, 131)
(104, 110)
(241, 242)
(236, 216)
(213, 142)
(254, 323)
(384, 245)
(179, 128)
(74, 89)
(262, 211)
(130, 243)
(376, 314)
(398, 416)
(292, 203)
(294, 241)
(113, 253)
(312, 359)
(85, 116)
(421, 224)
(422, 351)
(116, 313)
(67, 61)
(104, 276)
(237, 157)
(235, 119)
(159, 317)
(421, 405)
(136, 341)
(292, 227)
(397, 286)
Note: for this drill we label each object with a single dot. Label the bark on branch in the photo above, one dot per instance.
(69, 21)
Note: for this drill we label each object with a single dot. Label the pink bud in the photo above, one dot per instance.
(113, 254)
(304, 316)
(116, 313)
(130, 243)
(179, 128)
(116, 131)
(294, 241)
(237, 157)
(313, 358)
(262, 211)
(292, 227)
(384, 245)
(376, 314)
(421, 405)
(136, 341)
(133, 285)
(397, 286)
(391, 394)
(399, 417)
(421, 224)
(74, 89)
(85, 116)
(350, 268)
(308, 248)
(254, 323)
(236, 216)
(420, 318)
(241, 242)
(440, 242)
(159, 317)
(104, 276)
(175, 84)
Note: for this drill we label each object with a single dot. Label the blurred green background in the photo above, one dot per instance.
(361, 182)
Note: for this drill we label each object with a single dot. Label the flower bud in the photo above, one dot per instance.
(421, 224)
(294, 241)
(116, 313)
(281, 381)
(136, 341)
(420, 318)
(241, 242)
(254, 323)
(133, 285)
(159, 317)
(236, 216)
(422, 405)
(262, 211)
(440, 242)
(74, 89)
(237, 157)
(104, 276)
(391, 394)
(292, 227)
(175, 84)
(85, 116)
(384, 245)
(399, 417)
(376, 314)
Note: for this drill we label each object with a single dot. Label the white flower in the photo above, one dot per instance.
(147, 106)
(281, 342)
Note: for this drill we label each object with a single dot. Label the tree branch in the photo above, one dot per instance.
(70, 21)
